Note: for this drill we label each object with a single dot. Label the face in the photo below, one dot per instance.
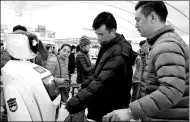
(87, 48)
(65, 52)
(74, 51)
(104, 35)
(50, 50)
(144, 47)
(143, 24)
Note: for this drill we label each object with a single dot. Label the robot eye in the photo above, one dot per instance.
(34, 42)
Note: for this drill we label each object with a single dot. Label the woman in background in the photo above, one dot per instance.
(85, 69)
(58, 66)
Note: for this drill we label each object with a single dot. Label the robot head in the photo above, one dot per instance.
(22, 45)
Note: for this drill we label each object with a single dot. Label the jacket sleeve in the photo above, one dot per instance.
(86, 82)
(80, 101)
(51, 64)
(83, 65)
(169, 63)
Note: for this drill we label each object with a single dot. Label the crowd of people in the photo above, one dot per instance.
(159, 84)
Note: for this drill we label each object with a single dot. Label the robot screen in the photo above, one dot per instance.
(51, 87)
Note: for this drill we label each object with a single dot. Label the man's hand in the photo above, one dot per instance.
(118, 115)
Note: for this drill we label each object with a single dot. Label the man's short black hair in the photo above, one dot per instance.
(142, 42)
(153, 6)
(19, 27)
(105, 18)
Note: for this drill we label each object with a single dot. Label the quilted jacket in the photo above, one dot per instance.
(164, 87)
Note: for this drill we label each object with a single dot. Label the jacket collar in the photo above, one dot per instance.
(115, 40)
(84, 51)
(151, 39)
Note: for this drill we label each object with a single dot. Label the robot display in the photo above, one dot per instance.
(29, 89)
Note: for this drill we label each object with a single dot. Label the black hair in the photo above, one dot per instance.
(153, 6)
(105, 18)
(73, 47)
(65, 45)
(77, 48)
(47, 47)
(142, 42)
(19, 27)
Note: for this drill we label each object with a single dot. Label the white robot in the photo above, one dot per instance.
(30, 91)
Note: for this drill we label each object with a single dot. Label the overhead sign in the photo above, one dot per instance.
(4, 26)
(42, 30)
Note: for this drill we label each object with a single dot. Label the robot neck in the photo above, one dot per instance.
(24, 60)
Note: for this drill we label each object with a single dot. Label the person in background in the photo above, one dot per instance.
(42, 55)
(5, 57)
(85, 69)
(19, 28)
(139, 67)
(140, 60)
(50, 50)
(77, 49)
(72, 64)
(164, 86)
(58, 66)
(110, 86)
(53, 50)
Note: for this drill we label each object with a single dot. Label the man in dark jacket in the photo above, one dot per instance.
(164, 86)
(111, 83)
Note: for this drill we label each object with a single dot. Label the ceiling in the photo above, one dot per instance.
(178, 15)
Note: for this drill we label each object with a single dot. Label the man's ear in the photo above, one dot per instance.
(154, 17)
(113, 30)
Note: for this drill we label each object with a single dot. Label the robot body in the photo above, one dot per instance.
(29, 90)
